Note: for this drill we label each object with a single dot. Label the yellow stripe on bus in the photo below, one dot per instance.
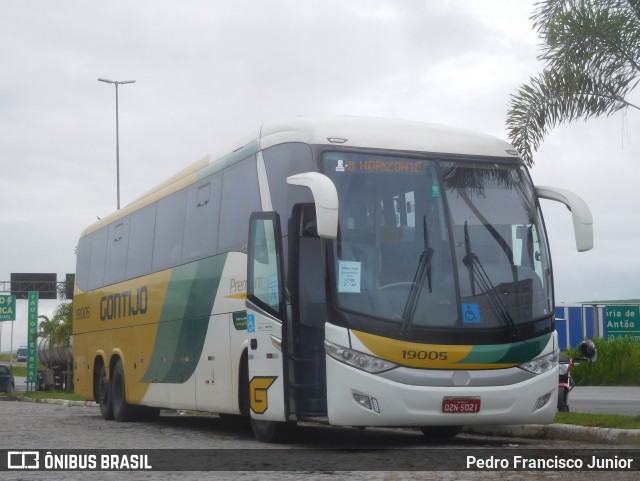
(424, 356)
(241, 295)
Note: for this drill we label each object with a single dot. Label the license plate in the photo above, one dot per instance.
(461, 405)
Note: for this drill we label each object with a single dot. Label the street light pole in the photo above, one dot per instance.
(116, 83)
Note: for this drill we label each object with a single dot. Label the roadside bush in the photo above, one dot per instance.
(618, 364)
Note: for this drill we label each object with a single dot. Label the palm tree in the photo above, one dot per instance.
(592, 54)
(63, 315)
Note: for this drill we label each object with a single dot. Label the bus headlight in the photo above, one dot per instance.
(542, 364)
(357, 359)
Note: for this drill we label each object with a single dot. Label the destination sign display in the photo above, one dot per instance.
(379, 166)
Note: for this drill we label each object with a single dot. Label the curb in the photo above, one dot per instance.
(566, 432)
(61, 402)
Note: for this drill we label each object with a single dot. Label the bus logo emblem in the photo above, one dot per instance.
(258, 387)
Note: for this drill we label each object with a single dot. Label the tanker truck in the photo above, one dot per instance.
(58, 366)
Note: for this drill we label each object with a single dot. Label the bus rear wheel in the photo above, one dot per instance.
(122, 410)
(104, 395)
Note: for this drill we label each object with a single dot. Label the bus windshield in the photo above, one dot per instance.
(427, 245)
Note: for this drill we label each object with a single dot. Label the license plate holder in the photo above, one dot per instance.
(460, 405)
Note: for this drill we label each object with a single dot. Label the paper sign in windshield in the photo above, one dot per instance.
(349, 276)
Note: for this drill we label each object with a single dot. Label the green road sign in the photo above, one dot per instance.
(623, 321)
(32, 319)
(7, 307)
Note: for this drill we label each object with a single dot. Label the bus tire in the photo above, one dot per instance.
(563, 400)
(432, 432)
(104, 395)
(272, 431)
(243, 386)
(122, 410)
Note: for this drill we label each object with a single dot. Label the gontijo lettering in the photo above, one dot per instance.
(126, 303)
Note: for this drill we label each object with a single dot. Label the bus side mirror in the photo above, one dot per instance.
(582, 220)
(587, 350)
(325, 197)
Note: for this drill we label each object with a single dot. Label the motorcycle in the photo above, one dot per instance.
(586, 352)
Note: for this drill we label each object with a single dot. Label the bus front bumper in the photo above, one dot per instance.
(357, 398)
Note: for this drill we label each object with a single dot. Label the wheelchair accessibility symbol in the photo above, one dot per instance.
(471, 313)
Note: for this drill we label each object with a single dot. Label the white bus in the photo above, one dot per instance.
(358, 272)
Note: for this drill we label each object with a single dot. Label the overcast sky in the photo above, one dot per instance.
(208, 72)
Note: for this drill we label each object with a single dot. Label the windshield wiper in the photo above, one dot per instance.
(422, 272)
(477, 274)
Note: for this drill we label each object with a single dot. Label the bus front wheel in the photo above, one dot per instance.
(272, 431)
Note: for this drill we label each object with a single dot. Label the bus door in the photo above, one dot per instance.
(266, 320)
(308, 314)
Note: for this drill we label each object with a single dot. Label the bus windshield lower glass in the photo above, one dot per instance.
(427, 245)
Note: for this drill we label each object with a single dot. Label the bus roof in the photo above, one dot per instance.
(383, 134)
(375, 133)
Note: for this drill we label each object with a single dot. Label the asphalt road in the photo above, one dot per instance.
(605, 400)
(48, 426)
(384, 452)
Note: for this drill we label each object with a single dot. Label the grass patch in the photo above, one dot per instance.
(19, 370)
(618, 364)
(66, 395)
(598, 420)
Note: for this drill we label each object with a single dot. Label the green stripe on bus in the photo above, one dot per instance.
(516, 353)
(184, 320)
(225, 161)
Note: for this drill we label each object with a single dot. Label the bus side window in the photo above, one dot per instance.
(280, 162)
(98, 258)
(141, 242)
(201, 222)
(240, 197)
(264, 263)
(169, 231)
(83, 262)
(117, 245)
